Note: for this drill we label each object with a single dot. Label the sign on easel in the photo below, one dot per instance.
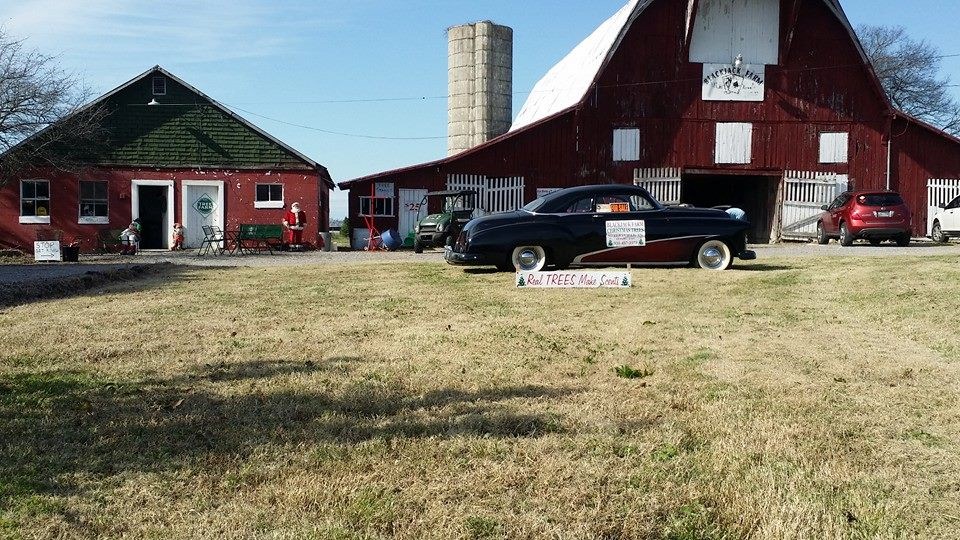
(46, 251)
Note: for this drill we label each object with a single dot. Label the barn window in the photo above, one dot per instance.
(382, 207)
(626, 145)
(93, 204)
(269, 196)
(34, 201)
(159, 86)
(834, 147)
(734, 143)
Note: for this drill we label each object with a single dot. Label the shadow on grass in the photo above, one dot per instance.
(90, 282)
(56, 427)
(762, 268)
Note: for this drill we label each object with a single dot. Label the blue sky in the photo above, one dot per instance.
(288, 60)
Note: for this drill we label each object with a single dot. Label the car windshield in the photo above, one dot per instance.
(534, 205)
(879, 199)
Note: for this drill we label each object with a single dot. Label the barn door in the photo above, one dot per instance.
(663, 184)
(410, 201)
(939, 193)
(804, 193)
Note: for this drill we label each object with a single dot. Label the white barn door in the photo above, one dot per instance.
(939, 193)
(803, 195)
(410, 201)
(664, 184)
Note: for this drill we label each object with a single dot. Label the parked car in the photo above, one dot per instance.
(871, 215)
(946, 222)
(601, 226)
(438, 230)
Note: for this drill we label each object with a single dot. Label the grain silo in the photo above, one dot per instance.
(480, 105)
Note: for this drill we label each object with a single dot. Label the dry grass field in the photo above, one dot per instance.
(805, 398)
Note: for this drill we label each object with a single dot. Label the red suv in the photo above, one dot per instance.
(872, 215)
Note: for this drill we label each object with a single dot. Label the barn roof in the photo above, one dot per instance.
(567, 83)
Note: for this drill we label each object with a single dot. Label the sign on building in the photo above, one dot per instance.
(204, 205)
(730, 83)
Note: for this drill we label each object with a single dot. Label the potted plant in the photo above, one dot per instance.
(70, 248)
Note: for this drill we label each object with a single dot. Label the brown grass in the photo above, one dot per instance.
(791, 399)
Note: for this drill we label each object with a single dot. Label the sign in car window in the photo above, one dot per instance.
(613, 208)
(626, 233)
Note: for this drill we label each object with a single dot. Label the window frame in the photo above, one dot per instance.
(270, 203)
(93, 220)
(35, 219)
(153, 85)
(367, 199)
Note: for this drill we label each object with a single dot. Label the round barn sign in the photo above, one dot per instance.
(204, 205)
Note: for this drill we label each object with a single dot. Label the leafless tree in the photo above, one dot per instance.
(911, 73)
(43, 120)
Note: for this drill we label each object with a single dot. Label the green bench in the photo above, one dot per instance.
(258, 237)
(108, 240)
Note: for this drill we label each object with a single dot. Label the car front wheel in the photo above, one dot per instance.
(822, 237)
(714, 255)
(529, 258)
(938, 235)
(846, 239)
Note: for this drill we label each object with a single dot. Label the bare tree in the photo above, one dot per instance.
(910, 72)
(43, 120)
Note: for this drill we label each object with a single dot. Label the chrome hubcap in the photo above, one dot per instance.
(712, 257)
(528, 259)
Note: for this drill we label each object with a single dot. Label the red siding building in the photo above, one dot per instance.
(173, 155)
(769, 105)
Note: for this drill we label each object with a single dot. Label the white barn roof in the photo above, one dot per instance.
(568, 82)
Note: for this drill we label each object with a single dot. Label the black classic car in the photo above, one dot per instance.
(601, 226)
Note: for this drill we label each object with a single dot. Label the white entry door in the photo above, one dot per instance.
(410, 200)
(202, 205)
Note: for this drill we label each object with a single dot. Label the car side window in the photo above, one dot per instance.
(954, 204)
(641, 203)
(580, 206)
(838, 202)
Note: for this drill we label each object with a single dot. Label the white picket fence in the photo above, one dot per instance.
(495, 195)
(805, 192)
(663, 184)
(940, 191)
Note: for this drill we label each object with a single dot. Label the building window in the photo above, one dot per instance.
(269, 196)
(834, 147)
(159, 86)
(93, 204)
(626, 145)
(34, 201)
(734, 143)
(381, 207)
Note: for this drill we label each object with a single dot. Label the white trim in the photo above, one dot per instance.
(93, 220)
(185, 203)
(262, 205)
(35, 220)
(135, 201)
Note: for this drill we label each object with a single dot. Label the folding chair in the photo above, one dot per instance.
(213, 240)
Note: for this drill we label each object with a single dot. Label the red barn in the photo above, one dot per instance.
(173, 155)
(769, 105)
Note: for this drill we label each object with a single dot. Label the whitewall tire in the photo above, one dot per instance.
(529, 258)
(714, 255)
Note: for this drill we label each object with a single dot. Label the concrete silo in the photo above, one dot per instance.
(480, 105)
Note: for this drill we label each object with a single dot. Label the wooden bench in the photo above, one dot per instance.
(108, 240)
(252, 236)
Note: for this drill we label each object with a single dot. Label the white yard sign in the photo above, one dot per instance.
(626, 233)
(46, 251)
(728, 83)
(574, 280)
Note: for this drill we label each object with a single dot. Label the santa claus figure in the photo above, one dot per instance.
(293, 224)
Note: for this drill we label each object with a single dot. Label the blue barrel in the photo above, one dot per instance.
(391, 240)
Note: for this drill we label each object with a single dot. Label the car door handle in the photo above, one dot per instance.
(597, 216)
